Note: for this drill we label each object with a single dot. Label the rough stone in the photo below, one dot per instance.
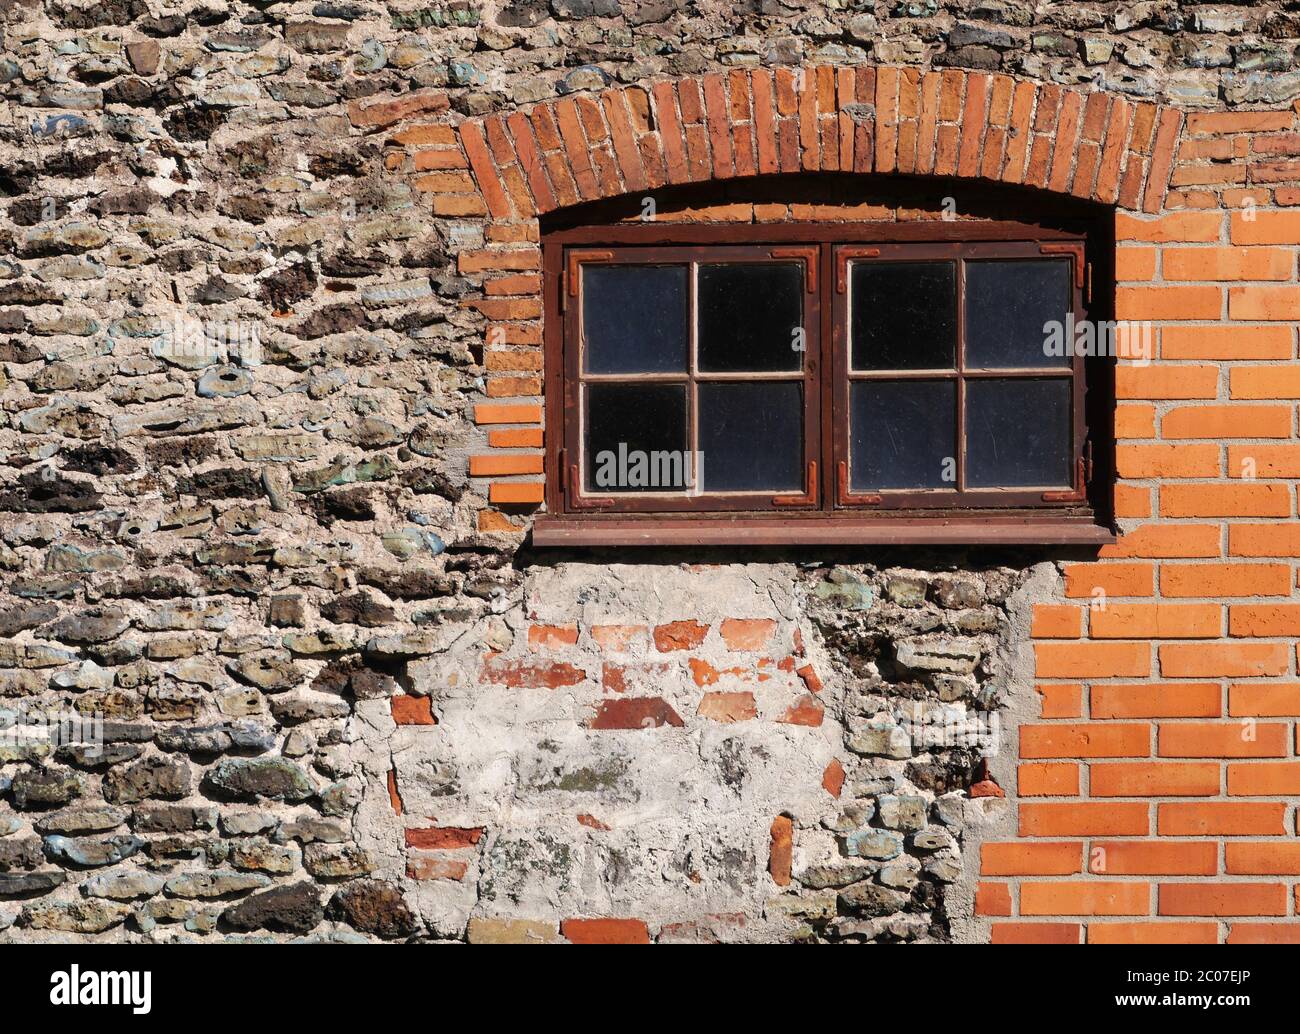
(373, 907)
(292, 909)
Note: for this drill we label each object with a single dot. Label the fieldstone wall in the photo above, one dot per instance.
(273, 667)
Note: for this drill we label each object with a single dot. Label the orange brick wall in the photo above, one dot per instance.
(1155, 794)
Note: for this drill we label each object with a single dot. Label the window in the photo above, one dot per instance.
(901, 382)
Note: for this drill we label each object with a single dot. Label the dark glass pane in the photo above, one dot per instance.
(903, 434)
(1018, 433)
(1008, 305)
(750, 314)
(904, 315)
(751, 436)
(636, 438)
(634, 318)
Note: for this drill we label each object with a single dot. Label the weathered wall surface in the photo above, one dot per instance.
(721, 752)
(246, 281)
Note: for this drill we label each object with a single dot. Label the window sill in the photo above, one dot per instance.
(551, 530)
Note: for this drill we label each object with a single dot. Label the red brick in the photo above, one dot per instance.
(1264, 779)
(485, 173)
(1265, 461)
(1225, 580)
(1264, 303)
(384, 113)
(1222, 899)
(1162, 156)
(1156, 621)
(1166, 382)
(1227, 264)
(635, 713)
(728, 707)
(1084, 818)
(1264, 933)
(1264, 382)
(679, 635)
(747, 633)
(886, 119)
(530, 161)
(1156, 700)
(719, 123)
(618, 637)
(992, 899)
(781, 851)
(1167, 461)
(1091, 660)
(1135, 264)
(1051, 621)
(1152, 858)
(764, 120)
(412, 710)
(1184, 227)
(1060, 700)
(1265, 227)
(1227, 421)
(517, 494)
(1037, 859)
(1264, 540)
(1166, 540)
(1214, 818)
(1082, 580)
(1084, 740)
(1168, 303)
(1264, 619)
(1085, 897)
(833, 777)
(1153, 933)
(1220, 500)
(1035, 933)
(1153, 779)
(1266, 858)
(807, 710)
(1137, 421)
(1065, 137)
(614, 104)
(434, 867)
(742, 125)
(1202, 660)
(1047, 779)
(1224, 740)
(444, 838)
(1132, 501)
(605, 931)
(623, 678)
(1264, 700)
(518, 675)
(505, 464)
(492, 259)
(549, 637)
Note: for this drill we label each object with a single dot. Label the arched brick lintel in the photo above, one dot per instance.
(1094, 145)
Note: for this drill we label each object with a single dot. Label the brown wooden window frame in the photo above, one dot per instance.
(828, 510)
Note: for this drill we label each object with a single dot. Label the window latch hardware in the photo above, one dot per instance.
(1082, 475)
(842, 264)
(809, 497)
(570, 277)
(571, 486)
(846, 498)
(1074, 249)
(809, 256)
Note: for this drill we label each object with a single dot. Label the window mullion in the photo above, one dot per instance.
(692, 384)
(960, 360)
